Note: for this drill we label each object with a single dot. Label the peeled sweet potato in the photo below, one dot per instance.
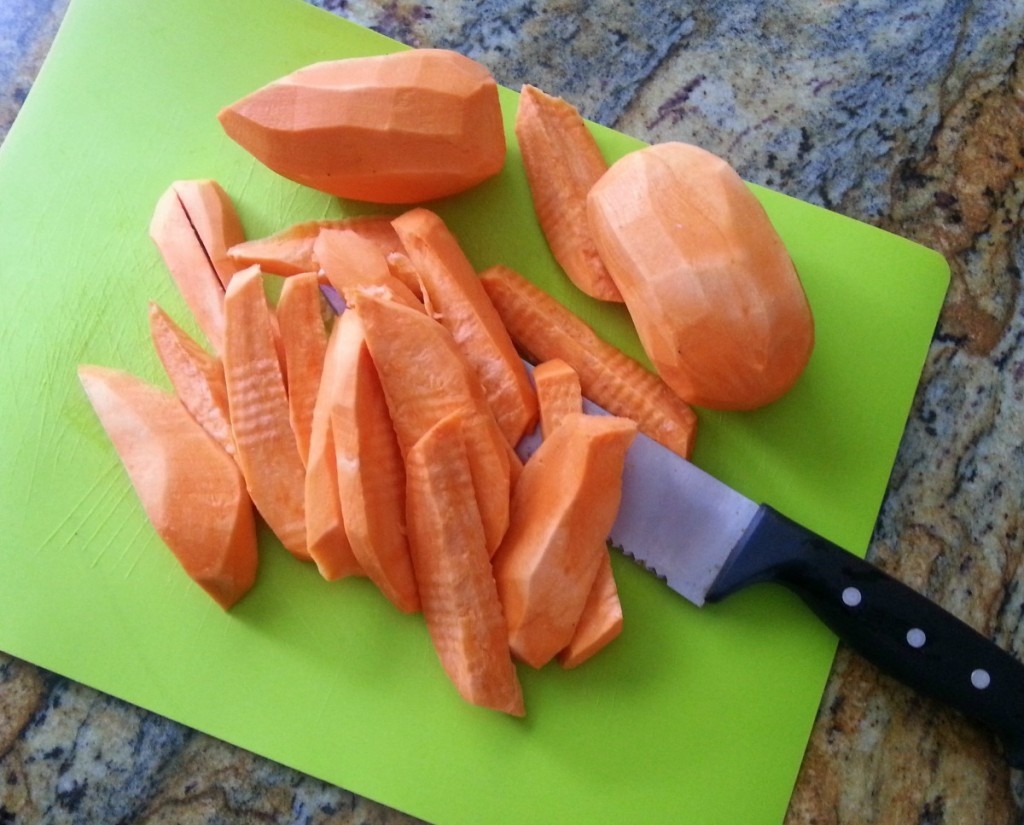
(397, 128)
(714, 295)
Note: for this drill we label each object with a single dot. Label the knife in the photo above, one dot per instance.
(707, 541)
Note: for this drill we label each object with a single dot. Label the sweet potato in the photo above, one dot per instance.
(397, 128)
(191, 490)
(265, 445)
(371, 473)
(601, 620)
(425, 379)
(455, 297)
(350, 262)
(197, 377)
(563, 508)
(559, 396)
(545, 329)
(290, 251)
(326, 538)
(190, 265)
(714, 295)
(303, 339)
(558, 393)
(453, 570)
(215, 222)
(562, 162)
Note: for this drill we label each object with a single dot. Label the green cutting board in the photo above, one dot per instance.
(691, 716)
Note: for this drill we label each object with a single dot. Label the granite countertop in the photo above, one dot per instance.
(909, 116)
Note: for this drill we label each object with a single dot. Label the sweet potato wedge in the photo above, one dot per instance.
(191, 490)
(453, 571)
(563, 507)
(545, 329)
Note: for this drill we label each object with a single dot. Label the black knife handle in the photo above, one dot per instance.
(897, 629)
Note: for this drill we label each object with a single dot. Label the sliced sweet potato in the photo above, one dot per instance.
(425, 379)
(326, 538)
(716, 300)
(265, 445)
(559, 396)
(350, 261)
(196, 375)
(545, 329)
(215, 222)
(453, 571)
(189, 265)
(303, 345)
(562, 162)
(563, 507)
(558, 393)
(191, 490)
(396, 128)
(456, 298)
(371, 473)
(290, 251)
(601, 620)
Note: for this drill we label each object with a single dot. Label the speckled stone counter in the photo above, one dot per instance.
(909, 116)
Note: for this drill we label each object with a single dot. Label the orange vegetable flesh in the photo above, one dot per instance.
(562, 162)
(304, 345)
(290, 251)
(352, 262)
(601, 620)
(326, 537)
(563, 507)
(189, 266)
(398, 128)
(191, 490)
(714, 295)
(197, 377)
(559, 395)
(425, 379)
(265, 445)
(453, 571)
(545, 329)
(454, 295)
(370, 470)
(214, 221)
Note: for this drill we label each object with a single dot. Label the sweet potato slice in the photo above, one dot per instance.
(545, 329)
(303, 345)
(196, 375)
(290, 251)
(396, 128)
(350, 262)
(601, 620)
(559, 396)
(215, 222)
(425, 379)
(326, 537)
(189, 265)
(562, 162)
(563, 507)
(371, 473)
(454, 295)
(453, 571)
(265, 445)
(558, 393)
(191, 490)
(717, 303)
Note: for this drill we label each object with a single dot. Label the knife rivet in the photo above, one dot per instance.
(916, 637)
(851, 596)
(980, 678)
